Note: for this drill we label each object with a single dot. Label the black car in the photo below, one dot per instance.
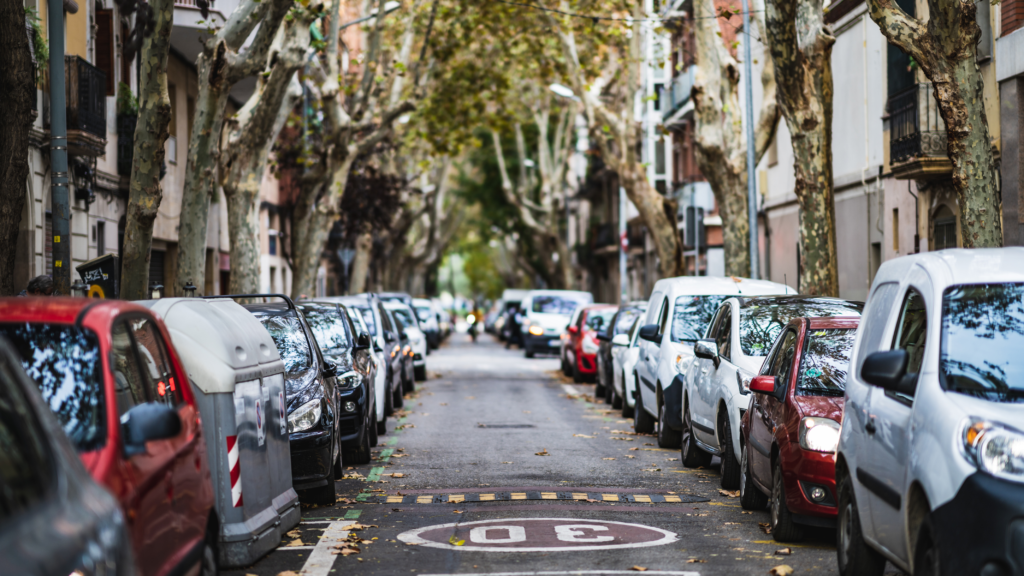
(620, 324)
(54, 519)
(386, 340)
(312, 398)
(339, 343)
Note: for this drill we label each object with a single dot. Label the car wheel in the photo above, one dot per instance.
(730, 463)
(615, 400)
(566, 367)
(692, 456)
(409, 384)
(421, 373)
(380, 425)
(643, 423)
(359, 454)
(926, 553)
(372, 429)
(528, 352)
(323, 495)
(577, 376)
(389, 406)
(398, 401)
(853, 555)
(784, 529)
(627, 411)
(751, 497)
(340, 460)
(667, 437)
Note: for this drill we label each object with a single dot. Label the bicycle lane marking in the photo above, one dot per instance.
(321, 560)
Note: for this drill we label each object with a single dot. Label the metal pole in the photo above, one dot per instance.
(751, 184)
(60, 204)
(623, 239)
(696, 230)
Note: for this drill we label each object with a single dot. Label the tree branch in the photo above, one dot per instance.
(899, 27)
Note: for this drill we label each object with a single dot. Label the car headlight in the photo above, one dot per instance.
(348, 380)
(407, 350)
(819, 434)
(305, 417)
(994, 448)
(679, 365)
(589, 346)
(536, 330)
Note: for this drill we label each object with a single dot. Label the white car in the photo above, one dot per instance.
(625, 353)
(930, 461)
(717, 383)
(546, 314)
(428, 322)
(677, 313)
(380, 382)
(417, 338)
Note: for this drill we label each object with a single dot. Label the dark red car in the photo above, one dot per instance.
(107, 370)
(791, 430)
(580, 345)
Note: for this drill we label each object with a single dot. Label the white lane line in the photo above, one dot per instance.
(317, 521)
(570, 389)
(321, 560)
(287, 548)
(572, 573)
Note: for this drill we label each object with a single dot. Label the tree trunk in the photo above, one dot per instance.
(244, 233)
(946, 50)
(145, 194)
(18, 87)
(801, 50)
(361, 264)
(658, 215)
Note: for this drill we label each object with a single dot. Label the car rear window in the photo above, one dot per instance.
(65, 362)
(625, 320)
(825, 362)
(290, 341)
(554, 305)
(403, 316)
(328, 328)
(599, 319)
(761, 321)
(367, 315)
(692, 315)
(423, 313)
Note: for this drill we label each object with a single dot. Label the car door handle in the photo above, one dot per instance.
(870, 426)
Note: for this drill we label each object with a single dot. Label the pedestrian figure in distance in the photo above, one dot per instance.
(39, 286)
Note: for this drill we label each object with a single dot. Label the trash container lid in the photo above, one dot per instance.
(220, 343)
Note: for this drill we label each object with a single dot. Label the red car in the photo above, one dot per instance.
(580, 345)
(107, 370)
(791, 429)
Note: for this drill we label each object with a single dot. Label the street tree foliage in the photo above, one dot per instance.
(801, 48)
(720, 138)
(945, 47)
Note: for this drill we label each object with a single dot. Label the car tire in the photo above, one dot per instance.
(615, 400)
(566, 367)
(667, 437)
(691, 454)
(381, 425)
(643, 423)
(208, 560)
(627, 411)
(358, 455)
(751, 497)
(730, 463)
(324, 495)
(780, 519)
(409, 384)
(389, 405)
(398, 401)
(421, 373)
(527, 351)
(373, 429)
(853, 555)
(926, 553)
(577, 376)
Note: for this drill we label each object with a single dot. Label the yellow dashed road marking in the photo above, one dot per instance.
(487, 497)
(456, 498)
(641, 498)
(548, 496)
(424, 499)
(671, 498)
(579, 496)
(395, 499)
(610, 497)
(519, 495)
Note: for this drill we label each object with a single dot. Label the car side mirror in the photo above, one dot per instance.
(148, 422)
(330, 369)
(706, 349)
(620, 340)
(572, 329)
(650, 333)
(763, 384)
(362, 341)
(888, 371)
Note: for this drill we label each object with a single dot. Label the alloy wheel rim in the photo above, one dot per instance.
(845, 528)
(743, 472)
(776, 499)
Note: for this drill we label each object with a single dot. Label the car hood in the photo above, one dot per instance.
(1009, 413)
(550, 321)
(830, 407)
(751, 364)
(342, 360)
(302, 387)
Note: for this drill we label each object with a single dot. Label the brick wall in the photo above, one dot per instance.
(1012, 15)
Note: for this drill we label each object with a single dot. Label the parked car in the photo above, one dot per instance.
(387, 342)
(510, 317)
(338, 342)
(623, 319)
(312, 397)
(546, 316)
(581, 344)
(678, 311)
(444, 320)
(625, 353)
(56, 519)
(107, 370)
(409, 325)
(930, 464)
(790, 431)
(428, 322)
(563, 345)
(731, 353)
(375, 357)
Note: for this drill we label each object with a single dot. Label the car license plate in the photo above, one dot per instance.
(554, 343)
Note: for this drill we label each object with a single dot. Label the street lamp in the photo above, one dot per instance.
(156, 291)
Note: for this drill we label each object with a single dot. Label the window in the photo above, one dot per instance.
(945, 229)
(101, 238)
(782, 368)
(172, 94)
(328, 328)
(598, 319)
(825, 362)
(272, 238)
(157, 370)
(624, 321)
(663, 317)
(291, 342)
(104, 46)
(129, 387)
(876, 316)
(367, 318)
(64, 361)
(659, 156)
(554, 305)
(691, 316)
(26, 465)
(723, 338)
(911, 334)
(761, 320)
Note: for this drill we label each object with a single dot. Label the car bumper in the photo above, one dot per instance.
(981, 530)
(311, 458)
(350, 424)
(542, 343)
(802, 470)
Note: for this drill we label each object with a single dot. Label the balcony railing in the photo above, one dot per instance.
(86, 97)
(915, 127)
(679, 91)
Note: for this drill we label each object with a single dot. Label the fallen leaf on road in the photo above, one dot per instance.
(652, 469)
(696, 561)
(638, 569)
(456, 511)
(506, 462)
(293, 534)
(404, 426)
(765, 527)
(607, 458)
(745, 512)
(526, 412)
(443, 404)
(344, 501)
(398, 475)
(296, 542)
(288, 573)
(399, 455)
(543, 452)
(396, 509)
(455, 542)
(346, 551)
(623, 438)
(358, 526)
(470, 397)
(733, 523)
(784, 552)
(671, 459)
(582, 436)
(730, 493)
(781, 570)
(630, 456)
(634, 448)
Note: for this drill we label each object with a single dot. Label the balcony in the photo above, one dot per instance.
(917, 136)
(86, 93)
(678, 93)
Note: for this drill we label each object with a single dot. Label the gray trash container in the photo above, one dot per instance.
(238, 378)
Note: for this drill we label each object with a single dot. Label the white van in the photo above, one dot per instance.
(546, 315)
(930, 464)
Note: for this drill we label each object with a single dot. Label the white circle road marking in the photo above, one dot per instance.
(538, 535)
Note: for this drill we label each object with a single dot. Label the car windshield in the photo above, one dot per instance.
(423, 313)
(692, 315)
(404, 316)
(554, 305)
(328, 328)
(598, 319)
(625, 320)
(762, 320)
(290, 341)
(982, 336)
(825, 362)
(65, 362)
(367, 315)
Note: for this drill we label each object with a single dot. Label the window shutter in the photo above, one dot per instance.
(105, 46)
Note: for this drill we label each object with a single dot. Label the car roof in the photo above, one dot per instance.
(571, 293)
(796, 299)
(600, 306)
(716, 285)
(59, 309)
(959, 266)
(826, 322)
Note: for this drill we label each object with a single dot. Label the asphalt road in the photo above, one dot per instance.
(463, 458)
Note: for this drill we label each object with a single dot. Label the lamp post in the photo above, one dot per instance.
(751, 184)
(59, 202)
